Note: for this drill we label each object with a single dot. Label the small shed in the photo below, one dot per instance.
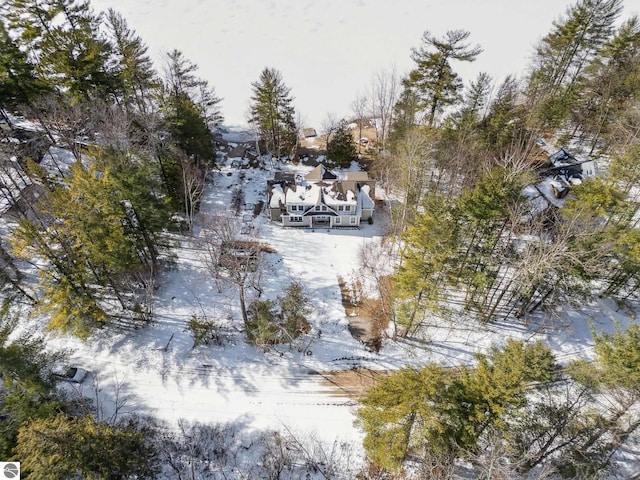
(309, 133)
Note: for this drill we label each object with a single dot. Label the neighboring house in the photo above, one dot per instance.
(321, 199)
(309, 133)
(556, 180)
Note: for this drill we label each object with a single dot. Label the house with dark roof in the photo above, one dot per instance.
(321, 199)
(555, 181)
(309, 133)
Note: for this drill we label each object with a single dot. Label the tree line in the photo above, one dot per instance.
(514, 414)
(100, 226)
(460, 158)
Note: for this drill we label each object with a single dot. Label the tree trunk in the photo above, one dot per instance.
(243, 305)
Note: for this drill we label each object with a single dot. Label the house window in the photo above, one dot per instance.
(317, 208)
(294, 219)
(324, 208)
(341, 208)
(352, 220)
(337, 222)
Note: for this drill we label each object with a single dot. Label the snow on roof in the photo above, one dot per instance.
(538, 202)
(541, 194)
(530, 191)
(359, 176)
(238, 151)
(336, 194)
(589, 168)
(567, 171)
(277, 196)
(562, 157)
(364, 198)
(308, 194)
(309, 132)
(23, 124)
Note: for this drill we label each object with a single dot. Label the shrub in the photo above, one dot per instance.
(294, 305)
(262, 329)
(205, 332)
(279, 322)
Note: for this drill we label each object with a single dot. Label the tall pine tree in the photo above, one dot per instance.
(136, 78)
(554, 83)
(19, 84)
(434, 80)
(272, 113)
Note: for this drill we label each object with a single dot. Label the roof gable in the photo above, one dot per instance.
(320, 173)
(357, 176)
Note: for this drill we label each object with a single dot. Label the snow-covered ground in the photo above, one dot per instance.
(154, 370)
(162, 375)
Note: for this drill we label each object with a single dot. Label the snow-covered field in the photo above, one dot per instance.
(155, 371)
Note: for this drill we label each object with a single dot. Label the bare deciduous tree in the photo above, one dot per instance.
(329, 126)
(230, 255)
(359, 108)
(193, 186)
(384, 91)
(376, 259)
(409, 172)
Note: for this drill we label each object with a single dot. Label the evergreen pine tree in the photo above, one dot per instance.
(503, 128)
(474, 103)
(430, 244)
(100, 235)
(208, 104)
(31, 20)
(433, 80)
(439, 413)
(133, 67)
(485, 239)
(74, 55)
(619, 358)
(612, 82)
(295, 306)
(27, 390)
(272, 113)
(19, 84)
(189, 129)
(186, 119)
(406, 112)
(340, 148)
(62, 446)
(554, 83)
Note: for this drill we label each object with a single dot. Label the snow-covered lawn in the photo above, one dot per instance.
(158, 371)
(154, 370)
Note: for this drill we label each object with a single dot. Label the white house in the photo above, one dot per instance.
(321, 199)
